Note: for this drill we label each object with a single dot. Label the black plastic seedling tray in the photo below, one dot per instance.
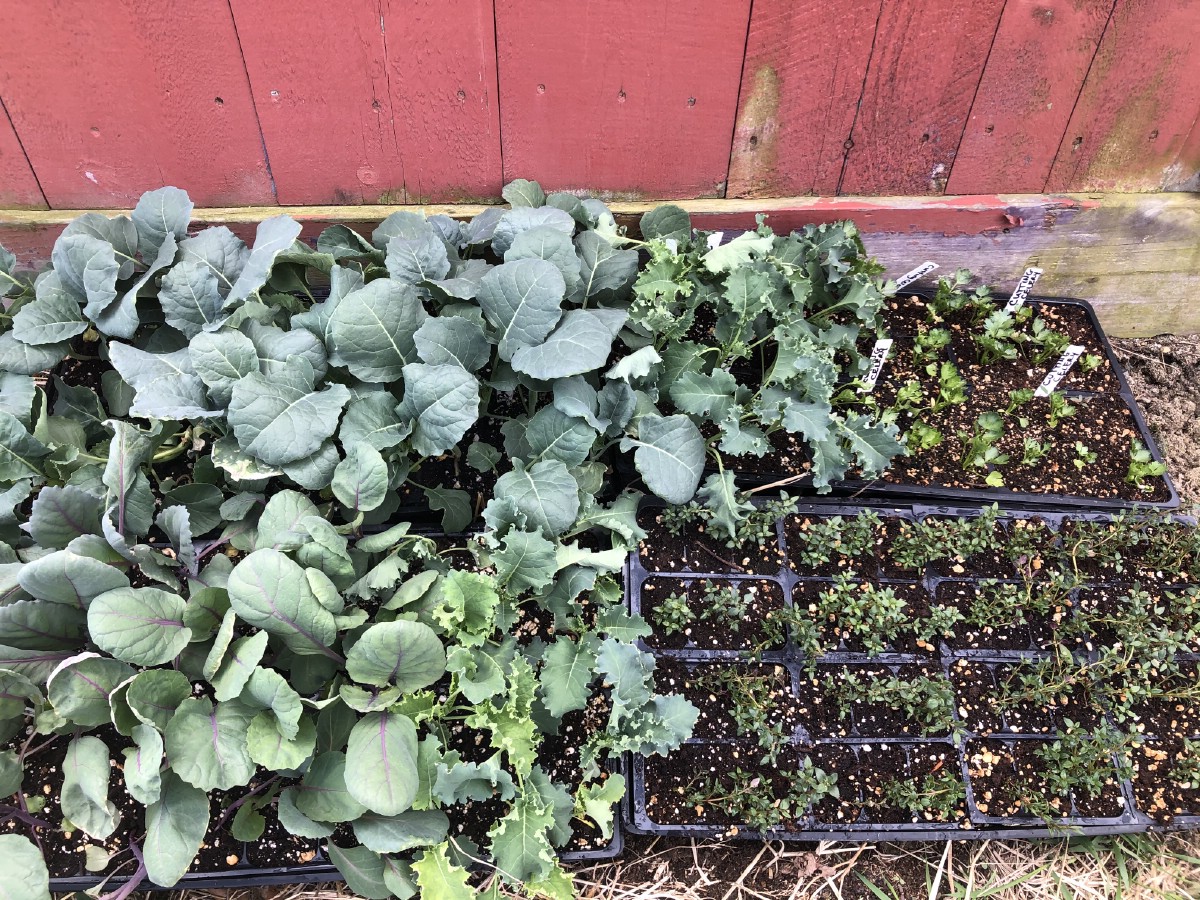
(885, 489)
(978, 823)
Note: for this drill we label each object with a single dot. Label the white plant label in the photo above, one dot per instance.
(879, 355)
(714, 239)
(919, 272)
(1024, 286)
(1060, 370)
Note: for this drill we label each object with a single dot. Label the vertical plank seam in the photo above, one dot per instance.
(1082, 87)
(737, 103)
(24, 152)
(262, 138)
(387, 78)
(975, 96)
(848, 144)
(499, 93)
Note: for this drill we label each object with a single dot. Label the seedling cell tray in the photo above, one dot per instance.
(983, 743)
(1106, 389)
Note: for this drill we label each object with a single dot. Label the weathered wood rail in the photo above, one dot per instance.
(264, 102)
(1135, 256)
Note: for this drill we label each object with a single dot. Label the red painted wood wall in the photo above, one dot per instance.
(254, 102)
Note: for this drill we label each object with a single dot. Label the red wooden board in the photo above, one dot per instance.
(800, 85)
(18, 184)
(1034, 74)
(117, 97)
(1138, 105)
(626, 97)
(375, 102)
(920, 83)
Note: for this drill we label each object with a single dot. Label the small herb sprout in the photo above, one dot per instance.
(952, 388)
(999, 340)
(1142, 467)
(1084, 456)
(753, 699)
(753, 800)
(1046, 343)
(928, 345)
(952, 297)
(673, 615)
(938, 625)
(926, 701)
(937, 797)
(1186, 770)
(863, 611)
(922, 436)
(1090, 362)
(1034, 451)
(1017, 399)
(824, 539)
(1083, 762)
(1059, 409)
(979, 446)
(920, 543)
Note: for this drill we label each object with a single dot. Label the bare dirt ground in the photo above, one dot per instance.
(1164, 373)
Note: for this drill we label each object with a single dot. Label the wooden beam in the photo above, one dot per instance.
(1135, 256)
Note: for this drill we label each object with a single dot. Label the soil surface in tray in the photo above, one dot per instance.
(1007, 779)
(691, 550)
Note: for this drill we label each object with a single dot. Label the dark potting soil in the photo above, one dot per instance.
(714, 632)
(1159, 790)
(692, 550)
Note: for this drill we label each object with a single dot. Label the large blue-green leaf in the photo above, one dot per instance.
(190, 296)
(555, 247)
(552, 434)
(206, 744)
(521, 839)
(669, 456)
(167, 385)
(273, 236)
(159, 213)
(546, 494)
(86, 774)
(26, 359)
(399, 834)
(360, 481)
(523, 218)
(26, 875)
(522, 301)
(143, 626)
(604, 267)
(269, 591)
(88, 267)
(454, 341)
(382, 754)
(416, 259)
(222, 359)
(175, 829)
(323, 796)
(581, 342)
(220, 250)
(68, 577)
(41, 625)
(372, 419)
(80, 687)
(371, 330)
(53, 317)
(280, 419)
(406, 654)
(59, 515)
(567, 675)
(19, 450)
(442, 402)
(143, 762)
